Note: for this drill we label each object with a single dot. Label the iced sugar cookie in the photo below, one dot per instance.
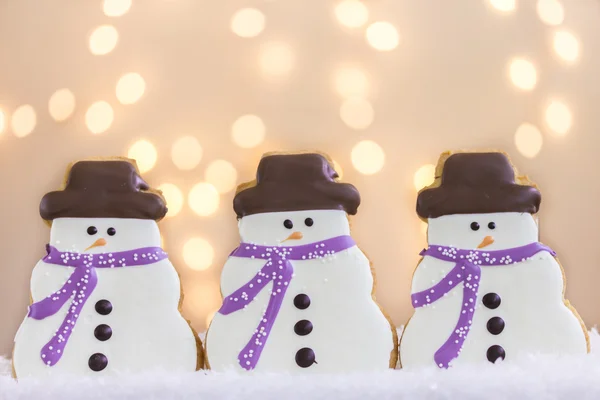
(486, 289)
(298, 292)
(105, 298)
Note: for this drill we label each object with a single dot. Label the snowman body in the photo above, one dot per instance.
(519, 310)
(131, 317)
(328, 307)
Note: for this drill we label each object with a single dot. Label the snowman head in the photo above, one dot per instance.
(103, 235)
(105, 206)
(295, 199)
(293, 228)
(478, 201)
(490, 231)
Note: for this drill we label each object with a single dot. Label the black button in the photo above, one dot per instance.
(303, 327)
(495, 352)
(302, 301)
(495, 325)
(103, 332)
(305, 357)
(103, 307)
(97, 362)
(491, 300)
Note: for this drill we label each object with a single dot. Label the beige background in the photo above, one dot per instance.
(444, 87)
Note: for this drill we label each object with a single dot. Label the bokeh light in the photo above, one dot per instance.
(116, 8)
(248, 131)
(528, 140)
(144, 153)
(276, 59)
(61, 104)
(566, 46)
(2, 121)
(23, 120)
(558, 117)
(357, 113)
(424, 176)
(248, 22)
(367, 157)
(99, 117)
(130, 88)
(174, 198)
(203, 199)
(351, 82)
(351, 13)
(382, 36)
(504, 5)
(551, 12)
(523, 74)
(198, 254)
(186, 153)
(103, 40)
(222, 175)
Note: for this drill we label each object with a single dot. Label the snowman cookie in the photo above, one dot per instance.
(105, 298)
(298, 292)
(486, 289)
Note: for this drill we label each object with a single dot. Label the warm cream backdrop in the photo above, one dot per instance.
(445, 86)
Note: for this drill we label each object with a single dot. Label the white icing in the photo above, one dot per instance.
(339, 289)
(268, 229)
(530, 292)
(147, 329)
(70, 234)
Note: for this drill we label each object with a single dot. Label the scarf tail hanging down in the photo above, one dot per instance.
(467, 270)
(78, 287)
(279, 270)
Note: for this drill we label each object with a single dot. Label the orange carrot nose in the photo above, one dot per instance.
(99, 242)
(486, 242)
(294, 236)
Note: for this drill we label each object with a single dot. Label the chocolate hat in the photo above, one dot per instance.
(477, 183)
(293, 182)
(103, 189)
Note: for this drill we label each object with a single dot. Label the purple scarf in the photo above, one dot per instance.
(80, 286)
(278, 269)
(467, 271)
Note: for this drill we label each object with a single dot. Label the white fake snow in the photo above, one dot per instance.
(540, 377)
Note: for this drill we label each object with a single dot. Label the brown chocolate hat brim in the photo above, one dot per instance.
(295, 196)
(439, 201)
(71, 204)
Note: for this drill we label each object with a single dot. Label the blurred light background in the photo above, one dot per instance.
(197, 90)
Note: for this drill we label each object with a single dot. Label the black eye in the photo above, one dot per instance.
(111, 231)
(288, 224)
(92, 230)
(492, 225)
(475, 226)
(308, 222)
